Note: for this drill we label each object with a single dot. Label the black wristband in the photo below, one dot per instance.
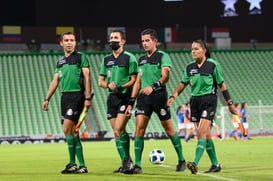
(156, 85)
(107, 84)
(131, 101)
(47, 100)
(91, 97)
(226, 95)
(171, 97)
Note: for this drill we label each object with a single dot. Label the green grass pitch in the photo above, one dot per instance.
(240, 160)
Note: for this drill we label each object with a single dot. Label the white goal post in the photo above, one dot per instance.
(260, 122)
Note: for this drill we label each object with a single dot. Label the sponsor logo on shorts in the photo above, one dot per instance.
(205, 113)
(69, 112)
(139, 111)
(122, 108)
(163, 112)
(109, 115)
(194, 119)
(212, 113)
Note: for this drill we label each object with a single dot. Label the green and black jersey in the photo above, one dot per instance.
(70, 72)
(120, 69)
(149, 68)
(203, 80)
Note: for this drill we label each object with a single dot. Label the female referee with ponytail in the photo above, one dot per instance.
(204, 75)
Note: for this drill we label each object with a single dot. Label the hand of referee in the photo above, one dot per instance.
(128, 111)
(117, 89)
(232, 109)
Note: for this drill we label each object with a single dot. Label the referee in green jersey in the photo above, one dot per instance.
(151, 93)
(73, 74)
(204, 75)
(118, 74)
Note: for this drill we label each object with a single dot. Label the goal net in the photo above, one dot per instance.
(260, 120)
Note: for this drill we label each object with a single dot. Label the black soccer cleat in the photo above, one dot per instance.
(82, 169)
(192, 167)
(127, 165)
(117, 170)
(214, 168)
(135, 170)
(181, 166)
(69, 168)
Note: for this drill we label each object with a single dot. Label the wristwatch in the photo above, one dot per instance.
(230, 103)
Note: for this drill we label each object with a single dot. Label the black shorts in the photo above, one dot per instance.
(117, 103)
(155, 102)
(203, 107)
(72, 105)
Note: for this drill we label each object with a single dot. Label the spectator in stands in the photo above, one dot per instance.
(118, 74)
(151, 93)
(180, 112)
(72, 72)
(203, 75)
(244, 119)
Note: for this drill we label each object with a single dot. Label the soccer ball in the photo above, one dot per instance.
(157, 156)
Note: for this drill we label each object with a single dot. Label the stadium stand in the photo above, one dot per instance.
(25, 78)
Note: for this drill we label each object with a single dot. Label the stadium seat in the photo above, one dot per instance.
(26, 78)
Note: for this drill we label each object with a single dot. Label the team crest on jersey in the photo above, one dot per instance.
(163, 112)
(122, 108)
(109, 74)
(69, 112)
(205, 113)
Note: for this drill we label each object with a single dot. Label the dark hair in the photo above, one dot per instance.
(150, 32)
(243, 105)
(236, 104)
(178, 109)
(66, 33)
(122, 33)
(204, 45)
